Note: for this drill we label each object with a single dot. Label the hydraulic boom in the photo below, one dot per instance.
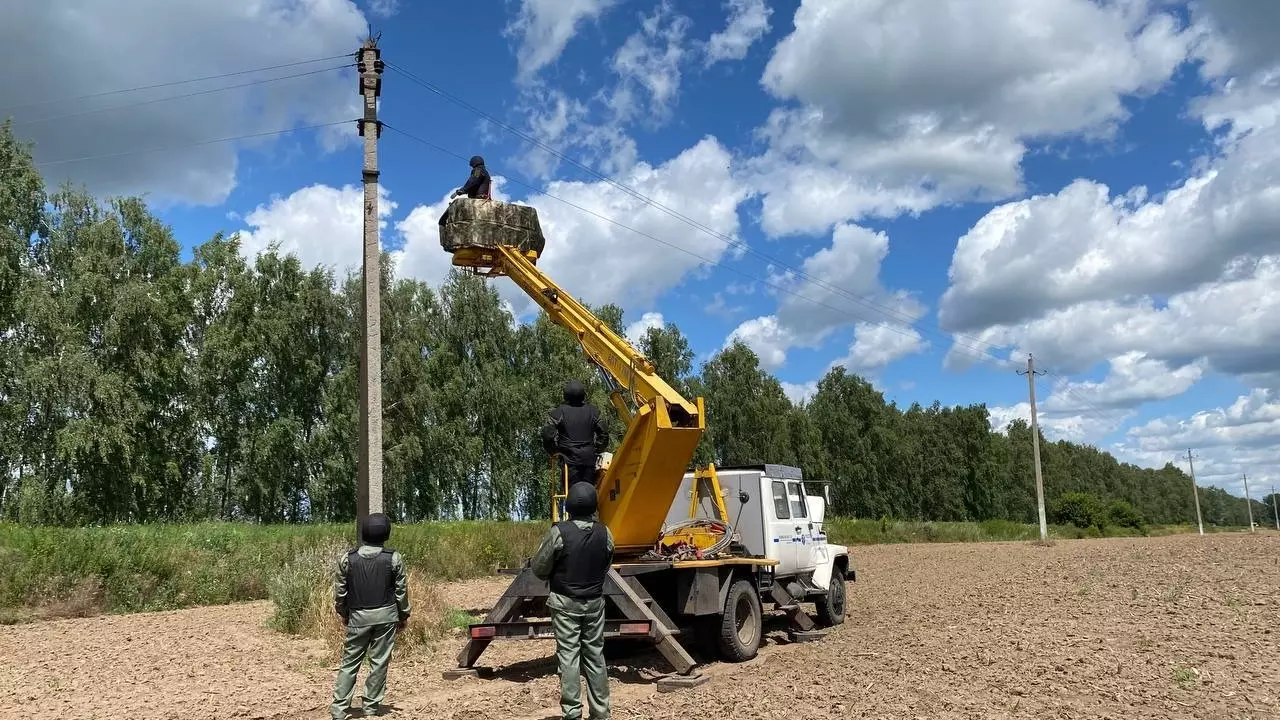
(663, 428)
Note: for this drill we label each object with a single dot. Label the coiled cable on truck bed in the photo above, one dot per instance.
(683, 551)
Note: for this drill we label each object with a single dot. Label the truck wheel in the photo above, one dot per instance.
(741, 624)
(830, 607)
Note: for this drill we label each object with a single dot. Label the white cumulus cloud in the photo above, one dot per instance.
(598, 261)
(838, 286)
(1242, 437)
(748, 21)
(1085, 411)
(637, 330)
(905, 105)
(74, 48)
(545, 27)
(322, 225)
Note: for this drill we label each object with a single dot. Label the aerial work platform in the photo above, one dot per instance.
(472, 225)
(686, 571)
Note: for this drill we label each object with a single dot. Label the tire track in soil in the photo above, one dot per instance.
(1179, 627)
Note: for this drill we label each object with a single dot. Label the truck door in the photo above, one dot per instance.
(801, 527)
(781, 531)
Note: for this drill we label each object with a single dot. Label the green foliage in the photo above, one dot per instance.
(155, 567)
(1079, 509)
(139, 387)
(1121, 513)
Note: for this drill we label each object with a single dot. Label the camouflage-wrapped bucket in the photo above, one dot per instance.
(476, 223)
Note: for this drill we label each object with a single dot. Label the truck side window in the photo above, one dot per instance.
(780, 500)
(798, 508)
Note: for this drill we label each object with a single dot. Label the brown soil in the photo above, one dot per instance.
(1179, 627)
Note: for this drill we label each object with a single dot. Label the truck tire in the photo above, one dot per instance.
(741, 623)
(830, 607)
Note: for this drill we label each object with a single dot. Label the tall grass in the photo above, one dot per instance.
(301, 592)
(71, 572)
(44, 571)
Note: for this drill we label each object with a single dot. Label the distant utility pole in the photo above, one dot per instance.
(369, 481)
(1248, 503)
(1195, 492)
(1035, 442)
(1274, 512)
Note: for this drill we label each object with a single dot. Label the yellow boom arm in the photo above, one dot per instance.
(663, 428)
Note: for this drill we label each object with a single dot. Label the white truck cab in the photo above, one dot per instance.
(773, 516)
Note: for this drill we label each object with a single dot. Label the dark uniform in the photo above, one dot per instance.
(576, 431)
(478, 184)
(371, 595)
(574, 558)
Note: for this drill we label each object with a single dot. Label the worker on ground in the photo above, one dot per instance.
(575, 430)
(477, 186)
(371, 595)
(575, 557)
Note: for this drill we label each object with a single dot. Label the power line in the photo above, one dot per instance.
(1088, 407)
(643, 234)
(174, 82)
(185, 95)
(192, 144)
(982, 352)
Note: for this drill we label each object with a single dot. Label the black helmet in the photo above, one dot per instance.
(376, 529)
(575, 393)
(581, 502)
(476, 161)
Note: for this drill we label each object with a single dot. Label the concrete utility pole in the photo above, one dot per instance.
(369, 481)
(1035, 442)
(1248, 503)
(1195, 491)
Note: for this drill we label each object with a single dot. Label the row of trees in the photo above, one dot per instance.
(138, 387)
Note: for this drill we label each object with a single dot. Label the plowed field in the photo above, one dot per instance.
(1178, 627)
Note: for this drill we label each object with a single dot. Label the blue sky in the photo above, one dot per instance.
(931, 167)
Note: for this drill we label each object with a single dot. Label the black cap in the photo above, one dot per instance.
(376, 529)
(581, 502)
(476, 161)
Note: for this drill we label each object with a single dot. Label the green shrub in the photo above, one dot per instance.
(1079, 509)
(1121, 514)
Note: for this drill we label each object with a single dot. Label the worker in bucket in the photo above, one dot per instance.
(575, 431)
(371, 595)
(574, 558)
(478, 185)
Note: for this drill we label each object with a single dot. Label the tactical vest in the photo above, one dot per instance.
(371, 583)
(579, 573)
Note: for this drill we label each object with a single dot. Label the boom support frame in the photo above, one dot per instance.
(663, 427)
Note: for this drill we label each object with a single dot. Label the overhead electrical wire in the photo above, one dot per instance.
(982, 350)
(184, 95)
(649, 236)
(978, 349)
(176, 82)
(193, 144)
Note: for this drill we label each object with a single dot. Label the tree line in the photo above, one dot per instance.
(139, 387)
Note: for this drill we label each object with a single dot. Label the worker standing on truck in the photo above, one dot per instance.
(575, 430)
(371, 595)
(575, 557)
(478, 185)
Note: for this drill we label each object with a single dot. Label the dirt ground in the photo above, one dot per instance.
(1179, 627)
